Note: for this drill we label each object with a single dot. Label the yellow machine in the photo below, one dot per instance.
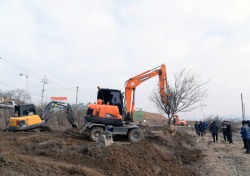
(27, 119)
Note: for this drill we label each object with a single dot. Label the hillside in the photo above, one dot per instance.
(151, 118)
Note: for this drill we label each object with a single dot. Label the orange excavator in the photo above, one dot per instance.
(112, 113)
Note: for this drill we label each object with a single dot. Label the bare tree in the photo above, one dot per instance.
(185, 94)
(217, 119)
(17, 95)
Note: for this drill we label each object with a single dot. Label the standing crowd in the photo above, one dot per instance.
(226, 129)
(200, 128)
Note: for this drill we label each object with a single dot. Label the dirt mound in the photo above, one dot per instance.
(69, 153)
(154, 119)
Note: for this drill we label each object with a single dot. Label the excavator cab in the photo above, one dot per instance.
(111, 97)
(24, 110)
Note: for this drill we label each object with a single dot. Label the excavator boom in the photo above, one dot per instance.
(133, 82)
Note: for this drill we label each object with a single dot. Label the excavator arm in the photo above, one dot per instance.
(68, 112)
(132, 83)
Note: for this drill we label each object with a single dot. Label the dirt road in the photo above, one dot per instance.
(222, 158)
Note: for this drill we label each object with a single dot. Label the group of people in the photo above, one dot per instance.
(201, 128)
(226, 128)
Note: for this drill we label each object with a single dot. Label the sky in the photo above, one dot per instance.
(105, 42)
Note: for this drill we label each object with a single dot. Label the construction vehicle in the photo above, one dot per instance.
(179, 122)
(112, 113)
(27, 119)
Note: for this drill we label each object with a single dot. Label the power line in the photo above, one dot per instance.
(60, 89)
(33, 94)
(17, 67)
(35, 85)
(8, 85)
(53, 82)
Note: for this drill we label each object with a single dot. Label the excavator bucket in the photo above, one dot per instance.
(105, 140)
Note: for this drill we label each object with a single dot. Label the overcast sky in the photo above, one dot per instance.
(89, 43)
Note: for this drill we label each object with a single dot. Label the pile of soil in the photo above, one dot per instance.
(154, 119)
(70, 153)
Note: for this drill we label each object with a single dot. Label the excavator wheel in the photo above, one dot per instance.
(95, 133)
(135, 135)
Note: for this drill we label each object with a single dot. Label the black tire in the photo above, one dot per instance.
(95, 133)
(135, 135)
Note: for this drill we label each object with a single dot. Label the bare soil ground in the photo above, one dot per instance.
(68, 153)
(72, 153)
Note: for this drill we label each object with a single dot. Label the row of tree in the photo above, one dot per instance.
(17, 95)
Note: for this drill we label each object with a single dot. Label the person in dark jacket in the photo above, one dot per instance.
(243, 138)
(245, 134)
(214, 131)
(224, 130)
(201, 130)
(248, 123)
(204, 125)
(196, 128)
(229, 133)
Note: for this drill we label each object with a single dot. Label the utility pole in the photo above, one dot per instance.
(76, 94)
(45, 81)
(242, 106)
(244, 111)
